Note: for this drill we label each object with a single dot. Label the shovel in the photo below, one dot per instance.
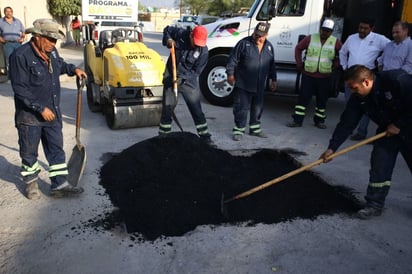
(174, 75)
(77, 160)
(297, 171)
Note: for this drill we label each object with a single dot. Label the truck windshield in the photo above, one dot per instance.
(291, 7)
(253, 8)
(265, 10)
(283, 7)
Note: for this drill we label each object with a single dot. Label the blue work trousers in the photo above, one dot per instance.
(52, 142)
(383, 159)
(192, 98)
(245, 102)
(320, 87)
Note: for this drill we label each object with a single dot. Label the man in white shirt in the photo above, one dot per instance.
(362, 48)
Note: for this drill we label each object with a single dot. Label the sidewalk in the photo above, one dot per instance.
(71, 54)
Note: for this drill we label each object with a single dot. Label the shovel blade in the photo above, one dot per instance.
(76, 165)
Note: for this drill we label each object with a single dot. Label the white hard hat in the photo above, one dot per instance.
(328, 24)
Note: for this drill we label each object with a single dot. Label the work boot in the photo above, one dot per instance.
(294, 124)
(258, 134)
(320, 125)
(368, 212)
(32, 191)
(65, 189)
(237, 137)
(206, 138)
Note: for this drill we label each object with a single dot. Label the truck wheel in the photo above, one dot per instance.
(213, 82)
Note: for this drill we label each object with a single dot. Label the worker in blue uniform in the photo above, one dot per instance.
(35, 68)
(386, 98)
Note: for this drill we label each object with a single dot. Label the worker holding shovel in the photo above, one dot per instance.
(35, 68)
(387, 100)
(189, 53)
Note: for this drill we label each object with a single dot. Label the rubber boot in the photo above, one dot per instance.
(32, 191)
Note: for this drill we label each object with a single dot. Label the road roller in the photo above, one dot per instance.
(124, 78)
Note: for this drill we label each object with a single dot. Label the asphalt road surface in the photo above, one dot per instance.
(49, 235)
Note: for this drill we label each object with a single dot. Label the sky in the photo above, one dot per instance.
(158, 3)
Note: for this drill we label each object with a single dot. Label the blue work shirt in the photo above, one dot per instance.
(11, 32)
(251, 68)
(397, 56)
(389, 102)
(35, 86)
(190, 61)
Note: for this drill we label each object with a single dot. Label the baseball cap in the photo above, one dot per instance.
(262, 29)
(46, 27)
(199, 36)
(328, 24)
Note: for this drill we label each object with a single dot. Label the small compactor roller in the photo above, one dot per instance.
(124, 79)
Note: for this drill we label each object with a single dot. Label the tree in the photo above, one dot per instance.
(62, 9)
(217, 7)
(197, 6)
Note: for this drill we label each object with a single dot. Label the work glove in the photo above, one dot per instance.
(170, 43)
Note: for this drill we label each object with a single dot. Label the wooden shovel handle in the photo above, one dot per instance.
(306, 167)
(174, 73)
(80, 85)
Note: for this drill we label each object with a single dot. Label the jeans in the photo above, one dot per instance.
(9, 47)
(245, 102)
(364, 121)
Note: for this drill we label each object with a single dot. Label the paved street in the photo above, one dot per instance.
(43, 236)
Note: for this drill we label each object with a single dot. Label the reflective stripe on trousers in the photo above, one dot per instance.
(320, 113)
(58, 170)
(255, 128)
(165, 128)
(30, 174)
(202, 129)
(239, 131)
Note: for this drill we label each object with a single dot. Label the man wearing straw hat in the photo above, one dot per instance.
(35, 68)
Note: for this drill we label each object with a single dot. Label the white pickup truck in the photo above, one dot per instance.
(290, 20)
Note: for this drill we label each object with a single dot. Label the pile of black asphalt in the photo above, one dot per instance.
(167, 186)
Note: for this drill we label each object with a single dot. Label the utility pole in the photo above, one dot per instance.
(180, 8)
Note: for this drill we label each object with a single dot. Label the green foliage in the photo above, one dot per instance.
(216, 7)
(197, 6)
(60, 8)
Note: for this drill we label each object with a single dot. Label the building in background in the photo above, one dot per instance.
(27, 10)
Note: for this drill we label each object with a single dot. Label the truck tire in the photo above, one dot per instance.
(213, 82)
